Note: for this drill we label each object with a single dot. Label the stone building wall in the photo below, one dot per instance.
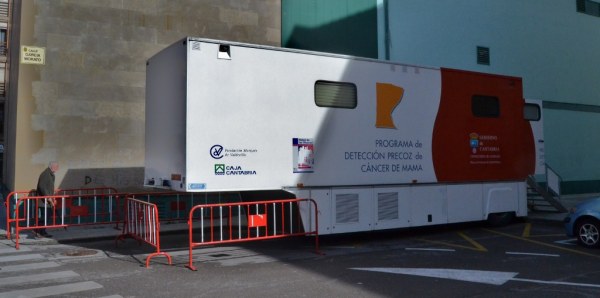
(85, 106)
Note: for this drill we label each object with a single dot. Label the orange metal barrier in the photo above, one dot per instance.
(87, 191)
(176, 206)
(142, 224)
(11, 201)
(249, 221)
(35, 212)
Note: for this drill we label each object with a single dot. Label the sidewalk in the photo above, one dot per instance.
(86, 233)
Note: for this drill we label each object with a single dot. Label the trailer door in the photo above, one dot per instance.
(533, 113)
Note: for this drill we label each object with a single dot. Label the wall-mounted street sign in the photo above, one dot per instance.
(33, 55)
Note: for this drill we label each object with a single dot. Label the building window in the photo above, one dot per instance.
(485, 106)
(590, 7)
(483, 55)
(3, 49)
(335, 94)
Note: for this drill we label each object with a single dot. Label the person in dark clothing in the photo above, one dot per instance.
(45, 187)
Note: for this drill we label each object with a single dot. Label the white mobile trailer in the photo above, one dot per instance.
(378, 145)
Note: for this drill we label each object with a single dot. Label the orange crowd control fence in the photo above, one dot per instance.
(176, 206)
(9, 204)
(211, 224)
(60, 211)
(87, 191)
(11, 201)
(142, 224)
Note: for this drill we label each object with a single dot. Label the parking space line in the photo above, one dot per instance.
(567, 242)
(476, 246)
(526, 230)
(473, 242)
(543, 243)
(531, 254)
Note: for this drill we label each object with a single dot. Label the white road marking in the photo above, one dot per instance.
(487, 277)
(567, 242)
(25, 267)
(53, 290)
(8, 250)
(531, 254)
(23, 279)
(21, 258)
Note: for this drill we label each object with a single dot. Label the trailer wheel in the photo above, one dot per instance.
(500, 219)
(588, 232)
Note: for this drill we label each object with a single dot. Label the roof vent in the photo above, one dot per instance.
(224, 52)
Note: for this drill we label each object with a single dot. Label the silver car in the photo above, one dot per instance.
(583, 222)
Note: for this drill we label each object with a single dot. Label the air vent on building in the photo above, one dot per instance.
(483, 55)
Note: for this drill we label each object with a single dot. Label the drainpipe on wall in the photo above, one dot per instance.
(383, 29)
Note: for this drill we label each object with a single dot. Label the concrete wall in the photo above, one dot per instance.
(548, 43)
(342, 26)
(85, 106)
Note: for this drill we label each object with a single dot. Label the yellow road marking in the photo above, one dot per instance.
(527, 233)
(544, 244)
(473, 242)
(476, 246)
(527, 230)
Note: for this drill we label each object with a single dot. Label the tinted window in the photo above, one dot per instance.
(485, 106)
(335, 94)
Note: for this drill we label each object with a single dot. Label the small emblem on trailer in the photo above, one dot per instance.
(219, 169)
(216, 151)
(474, 141)
(388, 98)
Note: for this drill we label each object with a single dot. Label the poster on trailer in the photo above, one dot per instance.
(304, 159)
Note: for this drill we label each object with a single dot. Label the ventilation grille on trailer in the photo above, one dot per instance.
(387, 206)
(346, 208)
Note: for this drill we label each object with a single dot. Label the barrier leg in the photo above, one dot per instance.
(190, 264)
(158, 253)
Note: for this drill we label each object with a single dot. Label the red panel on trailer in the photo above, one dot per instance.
(475, 148)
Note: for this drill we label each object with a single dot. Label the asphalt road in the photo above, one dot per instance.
(471, 260)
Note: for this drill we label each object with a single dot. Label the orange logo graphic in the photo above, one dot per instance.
(388, 97)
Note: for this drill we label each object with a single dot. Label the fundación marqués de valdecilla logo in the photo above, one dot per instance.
(219, 151)
(216, 151)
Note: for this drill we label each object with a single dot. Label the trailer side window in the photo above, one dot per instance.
(335, 94)
(485, 106)
(532, 112)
